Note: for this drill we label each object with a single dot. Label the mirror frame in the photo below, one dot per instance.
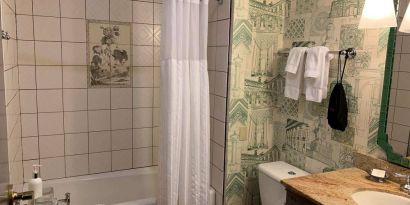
(382, 136)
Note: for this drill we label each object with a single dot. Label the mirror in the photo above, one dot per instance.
(394, 124)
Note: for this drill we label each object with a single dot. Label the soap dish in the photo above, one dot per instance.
(376, 178)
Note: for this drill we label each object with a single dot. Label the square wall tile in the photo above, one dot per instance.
(50, 100)
(100, 162)
(25, 52)
(30, 148)
(50, 123)
(48, 53)
(122, 159)
(98, 9)
(157, 97)
(121, 119)
(46, 8)
(143, 97)
(221, 84)
(51, 146)
(121, 10)
(142, 138)
(25, 27)
(218, 156)
(99, 120)
(157, 77)
(52, 168)
(75, 122)
(100, 141)
(47, 28)
(217, 179)
(219, 132)
(73, 30)
(76, 165)
(49, 77)
(222, 38)
(143, 77)
(221, 63)
(121, 139)
(143, 12)
(142, 34)
(28, 101)
(142, 157)
(72, 8)
(220, 108)
(75, 76)
(27, 77)
(74, 54)
(143, 56)
(99, 98)
(29, 125)
(401, 116)
(75, 99)
(400, 133)
(76, 143)
(24, 7)
(142, 117)
(121, 98)
(403, 98)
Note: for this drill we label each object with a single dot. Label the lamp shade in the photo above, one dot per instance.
(405, 24)
(378, 14)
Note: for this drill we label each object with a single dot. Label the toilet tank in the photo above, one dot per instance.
(270, 174)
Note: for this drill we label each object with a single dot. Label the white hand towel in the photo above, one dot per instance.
(317, 73)
(294, 72)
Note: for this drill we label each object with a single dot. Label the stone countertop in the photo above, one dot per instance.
(336, 188)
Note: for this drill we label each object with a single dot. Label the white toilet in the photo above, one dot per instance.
(270, 174)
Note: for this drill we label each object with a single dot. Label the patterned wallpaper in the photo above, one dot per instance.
(265, 126)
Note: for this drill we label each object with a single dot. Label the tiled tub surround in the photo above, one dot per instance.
(68, 127)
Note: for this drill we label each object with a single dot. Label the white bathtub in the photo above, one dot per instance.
(129, 187)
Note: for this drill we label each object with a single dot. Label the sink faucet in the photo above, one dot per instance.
(406, 186)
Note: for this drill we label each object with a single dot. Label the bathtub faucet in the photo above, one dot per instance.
(65, 201)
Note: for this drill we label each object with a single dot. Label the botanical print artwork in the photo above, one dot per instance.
(109, 54)
(263, 125)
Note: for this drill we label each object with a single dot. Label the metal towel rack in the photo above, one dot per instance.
(349, 52)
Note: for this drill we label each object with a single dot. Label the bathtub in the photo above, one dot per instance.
(128, 187)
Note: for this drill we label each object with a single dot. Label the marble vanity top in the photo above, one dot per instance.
(336, 188)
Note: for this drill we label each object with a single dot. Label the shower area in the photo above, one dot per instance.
(81, 93)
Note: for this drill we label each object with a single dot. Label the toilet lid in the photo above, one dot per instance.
(281, 170)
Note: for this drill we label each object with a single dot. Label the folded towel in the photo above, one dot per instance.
(317, 73)
(294, 72)
(295, 56)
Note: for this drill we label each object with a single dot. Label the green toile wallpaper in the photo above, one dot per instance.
(265, 126)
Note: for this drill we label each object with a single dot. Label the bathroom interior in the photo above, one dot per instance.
(101, 101)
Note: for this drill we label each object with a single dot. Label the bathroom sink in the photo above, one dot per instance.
(378, 198)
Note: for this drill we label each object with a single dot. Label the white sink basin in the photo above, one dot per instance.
(379, 198)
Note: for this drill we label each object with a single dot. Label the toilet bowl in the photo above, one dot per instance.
(272, 192)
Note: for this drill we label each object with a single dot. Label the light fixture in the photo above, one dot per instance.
(378, 14)
(405, 24)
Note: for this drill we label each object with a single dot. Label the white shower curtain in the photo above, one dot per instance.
(184, 169)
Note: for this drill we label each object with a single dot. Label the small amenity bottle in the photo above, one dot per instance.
(36, 184)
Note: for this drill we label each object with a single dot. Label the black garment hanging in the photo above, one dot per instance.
(337, 113)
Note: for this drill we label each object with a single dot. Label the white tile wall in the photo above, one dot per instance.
(399, 110)
(218, 58)
(66, 124)
(12, 128)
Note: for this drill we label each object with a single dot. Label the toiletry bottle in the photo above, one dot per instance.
(36, 184)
